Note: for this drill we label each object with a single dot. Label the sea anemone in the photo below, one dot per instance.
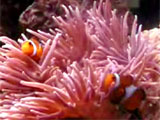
(67, 81)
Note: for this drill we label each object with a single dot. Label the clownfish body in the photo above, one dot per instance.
(134, 98)
(32, 48)
(123, 91)
(116, 81)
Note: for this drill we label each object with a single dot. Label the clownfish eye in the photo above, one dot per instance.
(29, 43)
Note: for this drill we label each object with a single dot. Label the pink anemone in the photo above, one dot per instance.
(67, 81)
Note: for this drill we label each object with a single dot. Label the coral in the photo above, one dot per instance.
(67, 81)
(39, 14)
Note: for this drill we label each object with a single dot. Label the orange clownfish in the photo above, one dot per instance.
(123, 91)
(32, 48)
(115, 80)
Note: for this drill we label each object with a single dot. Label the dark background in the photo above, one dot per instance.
(10, 10)
(148, 13)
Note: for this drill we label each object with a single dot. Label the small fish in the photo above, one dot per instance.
(115, 80)
(32, 48)
(123, 91)
(132, 100)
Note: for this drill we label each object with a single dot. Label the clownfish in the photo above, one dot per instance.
(123, 91)
(116, 81)
(32, 48)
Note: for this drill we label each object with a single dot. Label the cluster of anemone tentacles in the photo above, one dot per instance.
(66, 82)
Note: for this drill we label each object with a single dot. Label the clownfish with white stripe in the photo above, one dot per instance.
(123, 91)
(32, 48)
